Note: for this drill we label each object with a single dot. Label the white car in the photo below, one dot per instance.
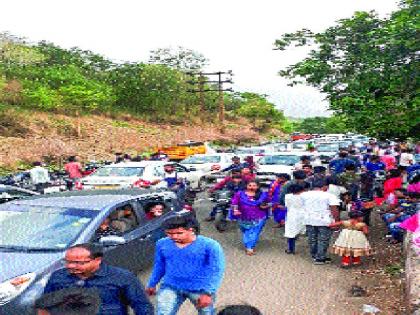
(206, 163)
(125, 175)
(284, 162)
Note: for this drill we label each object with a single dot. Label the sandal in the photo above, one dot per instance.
(249, 252)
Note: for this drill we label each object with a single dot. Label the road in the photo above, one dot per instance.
(273, 281)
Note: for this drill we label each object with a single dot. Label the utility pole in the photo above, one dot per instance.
(212, 88)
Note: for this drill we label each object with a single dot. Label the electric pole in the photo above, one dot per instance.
(214, 86)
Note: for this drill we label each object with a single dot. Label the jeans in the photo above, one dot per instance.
(319, 240)
(291, 244)
(170, 300)
(251, 233)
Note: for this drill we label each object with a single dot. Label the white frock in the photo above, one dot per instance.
(295, 223)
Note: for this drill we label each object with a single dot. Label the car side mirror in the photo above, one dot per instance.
(112, 240)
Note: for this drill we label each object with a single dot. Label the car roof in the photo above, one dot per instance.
(89, 200)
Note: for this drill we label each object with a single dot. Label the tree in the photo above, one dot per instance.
(260, 111)
(323, 125)
(179, 58)
(368, 67)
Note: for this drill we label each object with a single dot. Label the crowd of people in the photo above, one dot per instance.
(320, 199)
(314, 202)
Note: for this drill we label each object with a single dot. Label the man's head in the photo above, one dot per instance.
(69, 301)
(343, 154)
(374, 158)
(321, 185)
(235, 171)
(239, 310)
(246, 171)
(83, 260)
(169, 168)
(320, 170)
(236, 160)
(299, 175)
(237, 179)
(350, 168)
(36, 163)
(283, 177)
(296, 189)
(305, 159)
(72, 158)
(307, 168)
(181, 230)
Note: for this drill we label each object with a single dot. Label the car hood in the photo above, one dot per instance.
(199, 167)
(13, 264)
(103, 180)
(275, 169)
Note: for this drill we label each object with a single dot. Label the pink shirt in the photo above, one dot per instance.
(73, 169)
(389, 161)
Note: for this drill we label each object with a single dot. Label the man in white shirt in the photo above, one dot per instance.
(406, 158)
(39, 176)
(321, 209)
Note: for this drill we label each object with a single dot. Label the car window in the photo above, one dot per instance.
(120, 221)
(180, 168)
(119, 171)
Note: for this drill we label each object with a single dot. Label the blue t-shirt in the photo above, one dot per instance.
(197, 268)
(372, 167)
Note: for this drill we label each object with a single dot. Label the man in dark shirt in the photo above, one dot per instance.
(338, 165)
(118, 288)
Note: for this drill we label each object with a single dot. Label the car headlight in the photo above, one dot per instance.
(11, 288)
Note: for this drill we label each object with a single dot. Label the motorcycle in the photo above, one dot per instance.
(223, 200)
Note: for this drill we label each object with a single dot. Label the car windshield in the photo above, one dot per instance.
(281, 147)
(119, 171)
(300, 145)
(42, 228)
(279, 160)
(328, 147)
(250, 151)
(201, 159)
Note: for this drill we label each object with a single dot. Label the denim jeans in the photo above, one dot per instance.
(251, 234)
(319, 240)
(170, 300)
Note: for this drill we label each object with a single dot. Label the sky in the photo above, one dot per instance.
(235, 35)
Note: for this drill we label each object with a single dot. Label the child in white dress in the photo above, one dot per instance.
(352, 243)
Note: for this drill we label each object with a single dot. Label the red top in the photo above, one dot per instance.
(391, 185)
(73, 169)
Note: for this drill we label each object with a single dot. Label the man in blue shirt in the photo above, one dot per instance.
(374, 164)
(236, 165)
(118, 288)
(189, 266)
(339, 164)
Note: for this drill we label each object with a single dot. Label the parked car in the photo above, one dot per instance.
(270, 165)
(208, 162)
(9, 193)
(327, 151)
(37, 231)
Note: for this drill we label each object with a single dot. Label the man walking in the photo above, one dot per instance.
(321, 209)
(39, 176)
(188, 267)
(118, 288)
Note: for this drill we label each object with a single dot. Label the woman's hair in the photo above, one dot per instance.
(239, 310)
(394, 173)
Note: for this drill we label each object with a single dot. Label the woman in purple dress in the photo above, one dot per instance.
(250, 208)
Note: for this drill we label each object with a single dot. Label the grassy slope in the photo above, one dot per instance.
(26, 136)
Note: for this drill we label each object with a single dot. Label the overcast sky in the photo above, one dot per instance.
(235, 35)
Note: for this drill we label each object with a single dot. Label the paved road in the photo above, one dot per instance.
(273, 281)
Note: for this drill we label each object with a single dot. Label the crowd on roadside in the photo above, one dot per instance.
(314, 202)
